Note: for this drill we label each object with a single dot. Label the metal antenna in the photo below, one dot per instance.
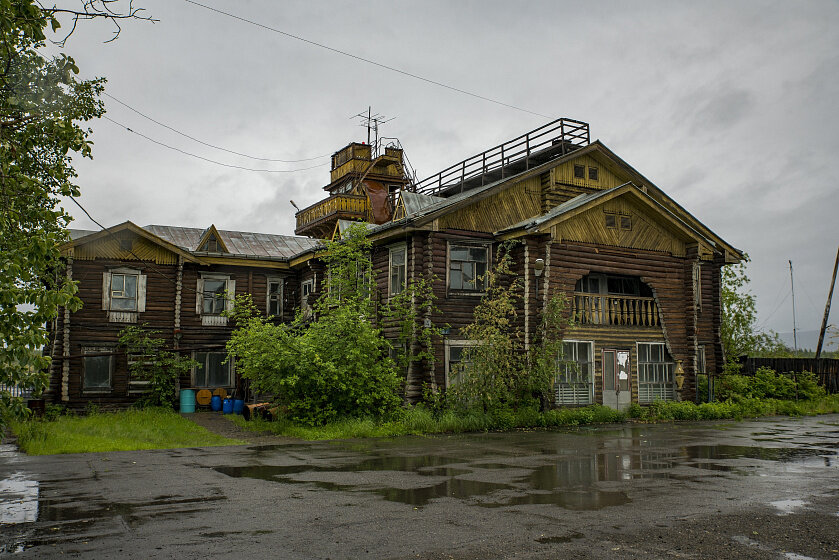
(371, 121)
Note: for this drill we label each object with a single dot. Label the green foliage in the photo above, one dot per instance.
(150, 362)
(41, 107)
(407, 309)
(149, 428)
(492, 378)
(334, 366)
(767, 384)
(547, 352)
(738, 331)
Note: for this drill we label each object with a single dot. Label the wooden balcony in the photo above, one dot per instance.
(319, 219)
(614, 310)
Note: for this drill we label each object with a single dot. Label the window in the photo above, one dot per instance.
(467, 267)
(592, 173)
(626, 222)
(213, 370)
(123, 294)
(214, 294)
(611, 220)
(574, 374)
(700, 360)
(306, 289)
(457, 359)
(275, 297)
(211, 245)
(97, 370)
(655, 373)
(579, 171)
(398, 269)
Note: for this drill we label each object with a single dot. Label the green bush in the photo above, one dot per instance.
(767, 384)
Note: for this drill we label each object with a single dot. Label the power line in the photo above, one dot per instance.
(208, 160)
(367, 60)
(194, 139)
(92, 219)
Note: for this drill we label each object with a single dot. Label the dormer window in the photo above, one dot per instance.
(211, 246)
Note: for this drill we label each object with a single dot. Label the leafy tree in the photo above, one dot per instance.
(333, 366)
(150, 362)
(42, 108)
(490, 373)
(740, 336)
(548, 353)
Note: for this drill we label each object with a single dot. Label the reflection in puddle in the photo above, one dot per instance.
(786, 507)
(18, 499)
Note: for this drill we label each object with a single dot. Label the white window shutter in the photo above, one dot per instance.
(199, 296)
(141, 293)
(231, 295)
(106, 291)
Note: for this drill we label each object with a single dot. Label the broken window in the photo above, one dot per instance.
(467, 267)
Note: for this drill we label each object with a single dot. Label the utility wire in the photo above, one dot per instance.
(92, 219)
(367, 60)
(194, 139)
(208, 160)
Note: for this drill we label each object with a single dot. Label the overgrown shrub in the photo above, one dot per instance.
(767, 384)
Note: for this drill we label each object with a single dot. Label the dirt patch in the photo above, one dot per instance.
(220, 424)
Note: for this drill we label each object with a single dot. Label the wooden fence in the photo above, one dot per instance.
(826, 369)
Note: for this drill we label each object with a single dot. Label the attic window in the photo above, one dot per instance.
(626, 222)
(211, 246)
(579, 171)
(592, 173)
(126, 244)
(611, 221)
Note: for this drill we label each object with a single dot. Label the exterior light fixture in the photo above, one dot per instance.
(539, 267)
(680, 375)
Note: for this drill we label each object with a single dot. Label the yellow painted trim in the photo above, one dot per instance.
(254, 263)
(134, 228)
(212, 231)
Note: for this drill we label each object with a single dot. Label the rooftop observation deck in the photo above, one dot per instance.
(533, 148)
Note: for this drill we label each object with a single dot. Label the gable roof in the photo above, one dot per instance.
(597, 150)
(85, 237)
(212, 233)
(238, 243)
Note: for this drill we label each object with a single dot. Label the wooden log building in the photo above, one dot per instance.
(641, 275)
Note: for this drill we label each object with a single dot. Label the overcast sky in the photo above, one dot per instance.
(728, 107)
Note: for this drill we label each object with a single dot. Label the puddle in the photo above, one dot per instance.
(19, 502)
(560, 539)
(746, 452)
(786, 507)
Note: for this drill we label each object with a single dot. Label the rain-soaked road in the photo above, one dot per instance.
(757, 489)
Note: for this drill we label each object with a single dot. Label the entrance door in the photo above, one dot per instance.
(616, 393)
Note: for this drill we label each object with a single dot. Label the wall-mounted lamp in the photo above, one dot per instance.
(539, 267)
(680, 375)
(295, 206)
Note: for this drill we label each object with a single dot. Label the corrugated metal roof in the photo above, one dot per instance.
(243, 243)
(79, 233)
(415, 202)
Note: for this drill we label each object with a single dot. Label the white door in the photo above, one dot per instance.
(616, 389)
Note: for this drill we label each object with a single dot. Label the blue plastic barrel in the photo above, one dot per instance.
(215, 403)
(187, 400)
(238, 406)
(227, 407)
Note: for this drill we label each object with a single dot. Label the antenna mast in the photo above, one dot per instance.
(794, 330)
(371, 121)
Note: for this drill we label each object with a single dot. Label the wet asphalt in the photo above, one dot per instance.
(758, 489)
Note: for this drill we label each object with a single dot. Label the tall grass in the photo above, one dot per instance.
(150, 428)
(420, 420)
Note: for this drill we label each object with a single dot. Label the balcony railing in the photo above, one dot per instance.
(629, 311)
(352, 206)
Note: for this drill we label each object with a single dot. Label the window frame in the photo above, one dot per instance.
(487, 246)
(448, 345)
(97, 350)
(305, 305)
(664, 390)
(116, 315)
(593, 174)
(229, 295)
(230, 365)
(579, 171)
(566, 363)
(393, 249)
(274, 297)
